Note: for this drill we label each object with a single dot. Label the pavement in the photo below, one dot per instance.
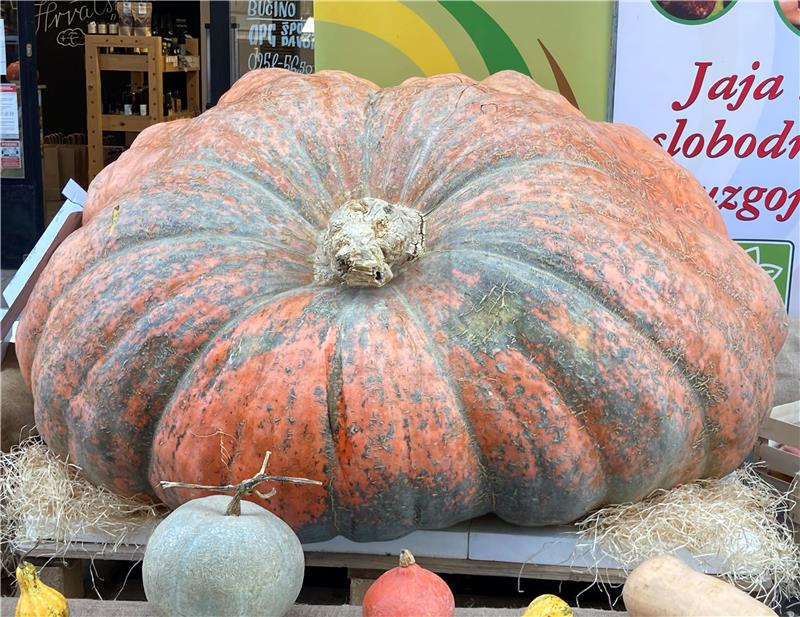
(99, 608)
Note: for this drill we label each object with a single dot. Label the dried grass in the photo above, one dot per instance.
(737, 526)
(39, 491)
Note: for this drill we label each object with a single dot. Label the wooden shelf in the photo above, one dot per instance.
(138, 63)
(174, 68)
(132, 124)
(123, 62)
(152, 63)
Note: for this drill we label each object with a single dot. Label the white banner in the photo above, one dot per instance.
(717, 84)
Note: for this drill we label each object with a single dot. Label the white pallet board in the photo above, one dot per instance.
(494, 540)
(491, 539)
(451, 543)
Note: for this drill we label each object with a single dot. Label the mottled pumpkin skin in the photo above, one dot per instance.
(580, 330)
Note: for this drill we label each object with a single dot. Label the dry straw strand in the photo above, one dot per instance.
(738, 526)
(40, 491)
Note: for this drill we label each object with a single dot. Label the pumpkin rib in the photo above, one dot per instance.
(103, 257)
(329, 173)
(366, 140)
(334, 395)
(279, 351)
(416, 318)
(124, 419)
(420, 154)
(655, 239)
(327, 198)
(278, 199)
(491, 173)
(222, 329)
(447, 172)
(135, 196)
(586, 291)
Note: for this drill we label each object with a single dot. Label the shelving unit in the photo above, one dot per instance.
(154, 64)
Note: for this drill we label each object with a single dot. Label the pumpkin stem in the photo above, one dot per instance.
(245, 487)
(406, 558)
(365, 240)
(235, 506)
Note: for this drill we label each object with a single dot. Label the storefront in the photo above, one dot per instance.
(77, 119)
(515, 297)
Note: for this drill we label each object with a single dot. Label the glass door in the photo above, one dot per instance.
(12, 160)
(20, 134)
(271, 33)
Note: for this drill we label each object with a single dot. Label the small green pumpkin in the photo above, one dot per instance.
(223, 556)
(200, 561)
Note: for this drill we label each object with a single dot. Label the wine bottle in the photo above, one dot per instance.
(127, 102)
(167, 105)
(142, 102)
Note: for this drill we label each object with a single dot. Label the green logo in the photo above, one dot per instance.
(775, 257)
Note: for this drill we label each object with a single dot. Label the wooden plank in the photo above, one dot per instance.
(778, 460)
(65, 576)
(119, 122)
(123, 62)
(94, 108)
(358, 589)
(780, 431)
(112, 40)
(127, 552)
(788, 412)
(469, 566)
(122, 608)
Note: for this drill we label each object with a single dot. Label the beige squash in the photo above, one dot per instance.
(665, 586)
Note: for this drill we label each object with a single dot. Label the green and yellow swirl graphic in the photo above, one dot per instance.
(565, 48)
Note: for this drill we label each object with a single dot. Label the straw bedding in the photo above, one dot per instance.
(738, 525)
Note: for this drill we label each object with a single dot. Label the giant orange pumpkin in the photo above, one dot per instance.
(445, 299)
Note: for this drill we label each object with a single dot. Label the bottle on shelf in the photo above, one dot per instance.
(167, 105)
(177, 103)
(127, 102)
(142, 95)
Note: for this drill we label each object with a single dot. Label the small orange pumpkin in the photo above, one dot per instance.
(409, 590)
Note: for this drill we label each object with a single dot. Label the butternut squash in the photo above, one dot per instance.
(665, 586)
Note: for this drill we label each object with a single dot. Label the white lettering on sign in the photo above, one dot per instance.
(270, 59)
(52, 15)
(271, 8)
(261, 32)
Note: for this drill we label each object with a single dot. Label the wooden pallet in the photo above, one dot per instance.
(483, 547)
(781, 468)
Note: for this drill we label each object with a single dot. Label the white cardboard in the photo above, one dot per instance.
(74, 192)
(451, 543)
(16, 293)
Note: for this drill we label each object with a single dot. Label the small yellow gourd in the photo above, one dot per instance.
(37, 599)
(548, 605)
